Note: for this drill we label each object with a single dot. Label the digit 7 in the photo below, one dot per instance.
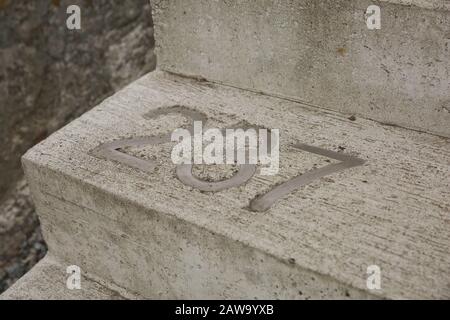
(265, 201)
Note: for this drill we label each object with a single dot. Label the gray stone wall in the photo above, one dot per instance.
(48, 76)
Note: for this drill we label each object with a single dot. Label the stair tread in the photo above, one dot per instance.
(392, 211)
(47, 281)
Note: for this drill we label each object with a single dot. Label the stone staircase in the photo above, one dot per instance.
(111, 201)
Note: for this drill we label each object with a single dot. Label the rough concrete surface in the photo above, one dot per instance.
(429, 4)
(49, 75)
(318, 52)
(153, 235)
(47, 281)
(21, 242)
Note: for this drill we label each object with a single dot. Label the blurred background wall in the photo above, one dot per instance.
(49, 75)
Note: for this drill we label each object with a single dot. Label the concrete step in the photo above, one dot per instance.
(48, 281)
(111, 201)
(319, 52)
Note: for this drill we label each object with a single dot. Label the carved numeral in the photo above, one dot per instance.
(112, 151)
(264, 202)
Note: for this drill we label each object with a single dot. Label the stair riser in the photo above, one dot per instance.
(158, 256)
(319, 52)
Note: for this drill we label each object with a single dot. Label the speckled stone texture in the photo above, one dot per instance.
(48, 76)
